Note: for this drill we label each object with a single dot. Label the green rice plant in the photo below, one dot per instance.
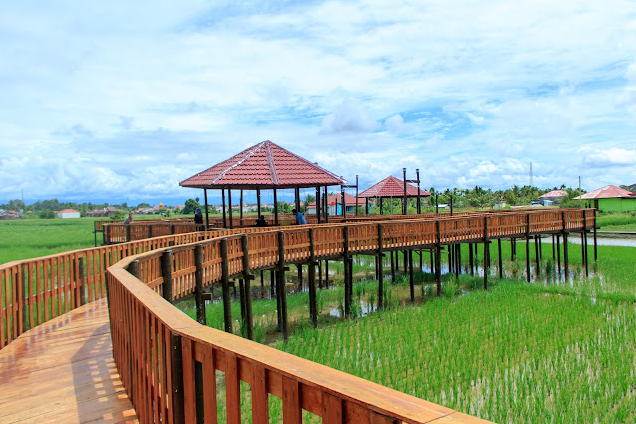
(449, 288)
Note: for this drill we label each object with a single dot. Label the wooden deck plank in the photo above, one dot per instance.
(63, 372)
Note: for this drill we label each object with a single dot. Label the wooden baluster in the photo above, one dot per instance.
(313, 309)
(225, 286)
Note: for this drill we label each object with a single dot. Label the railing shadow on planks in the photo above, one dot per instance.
(147, 330)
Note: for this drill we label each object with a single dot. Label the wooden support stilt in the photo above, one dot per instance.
(347, 264)
(584, 243)
(486, 253)
(595, 240)
(225, 286)
(438, 264)
(242, 300)
(500, 258)
(166, 272)
(313, 309)
(249, 319)
(553, 248)
(512, 248)
(536, 256)
(262, 280)
(558, 253)
(432, 269)
(299, 267)
(471, 263)
(411, 281)
(229, 206)
(565, 246)
(326, 274)
(380, 274)
(393, 255)
(280, 288)
(198, 281)
(458, 259)
(320, 274)
(272, 283)
(528, 247)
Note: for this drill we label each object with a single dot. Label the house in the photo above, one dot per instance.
(334, 204)
(554, 196)
(68, 213)
(8, 214)
(610, 199)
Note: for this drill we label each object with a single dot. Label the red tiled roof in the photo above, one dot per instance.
(555, 193)
(392, 187)
(333, 199)
(265, 165)
(68, 211)
(607, 192)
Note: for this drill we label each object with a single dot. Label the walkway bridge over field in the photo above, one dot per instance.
(68, 356)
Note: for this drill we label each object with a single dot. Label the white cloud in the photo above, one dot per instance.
(349, 117)
(151, 93)
(610, 157)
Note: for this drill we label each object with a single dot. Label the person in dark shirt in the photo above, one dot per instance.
(260, 222)
(198, 216)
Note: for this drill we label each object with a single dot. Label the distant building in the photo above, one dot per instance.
(610, 199)
(554, 196)
(68, 213)
(334, 204)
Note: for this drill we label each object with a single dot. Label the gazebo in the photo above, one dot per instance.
(265, 166)
(392, 187)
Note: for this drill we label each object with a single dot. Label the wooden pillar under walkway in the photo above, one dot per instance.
(313, 309)
(411, 281)
(565, 245)
(198, 284)
(558, 254)
(347, 272)
(326, 274)
(380, 273)
(537, 255)
(471, 263)
(280, 286)
(393, 266)
(595, 240)
(486, 253)
(438, 262)
(249, 319)
(223, 207)
(528, 247)
(225, 286)
(500, 258)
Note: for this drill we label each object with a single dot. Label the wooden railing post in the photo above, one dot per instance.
(166, 272)
(313, 308)
(500, 258)
(247, 277)
(149, 231)
(280, 285)
(128, 232)
(225, 286)
(380, 273)
(411, 280)
(178, 411)
(198, 284)
(106, 234)
(82, 282)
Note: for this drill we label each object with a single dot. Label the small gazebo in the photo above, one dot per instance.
(392, 187)
(265, 166)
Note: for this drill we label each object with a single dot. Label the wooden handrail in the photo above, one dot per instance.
(36, 290)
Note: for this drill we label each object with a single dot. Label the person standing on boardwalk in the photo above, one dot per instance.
(129, 219)
(300, 219)
(198, 216)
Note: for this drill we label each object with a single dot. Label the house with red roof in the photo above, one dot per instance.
(610, 198)
(334, 204)
(554, 196)
(68, 213)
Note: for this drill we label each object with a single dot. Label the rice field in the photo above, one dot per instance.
(552, 351)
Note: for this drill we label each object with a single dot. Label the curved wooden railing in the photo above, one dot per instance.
(145, 327)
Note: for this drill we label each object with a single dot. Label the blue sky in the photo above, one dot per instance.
(119, 101)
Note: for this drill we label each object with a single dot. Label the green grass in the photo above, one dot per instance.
(549, 351)
(617, 221)
(24, 239)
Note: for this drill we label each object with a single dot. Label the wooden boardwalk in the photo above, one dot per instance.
(63, 372)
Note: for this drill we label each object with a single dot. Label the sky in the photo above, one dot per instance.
(120, 101)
